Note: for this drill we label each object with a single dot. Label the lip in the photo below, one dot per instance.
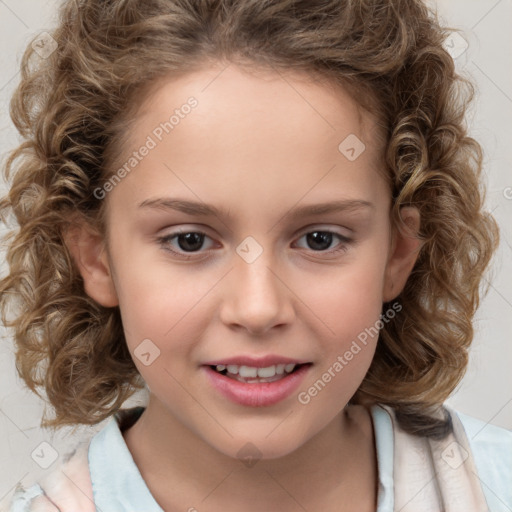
(256, 362)
(258, 394)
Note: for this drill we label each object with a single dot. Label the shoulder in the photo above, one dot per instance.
(25, 499)
(491, 447)
(66, 488)
(30, 499)
(485, 437)
(475, 455)
(69, 487)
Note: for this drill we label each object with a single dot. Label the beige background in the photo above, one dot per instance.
(486, 391)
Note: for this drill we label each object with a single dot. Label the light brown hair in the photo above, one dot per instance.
(73, 109)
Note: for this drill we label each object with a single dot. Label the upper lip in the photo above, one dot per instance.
(257, 362)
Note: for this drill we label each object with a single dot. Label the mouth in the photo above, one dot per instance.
(257, 382)
(257, 375)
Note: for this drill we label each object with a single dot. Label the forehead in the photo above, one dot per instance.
(254, 132)
(227, 92)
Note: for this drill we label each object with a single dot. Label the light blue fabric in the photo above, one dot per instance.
(118, 485)
(116, 481)
(23, 497)
(491, 447)
(384, 444)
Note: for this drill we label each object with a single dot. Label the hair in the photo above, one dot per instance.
(73, 107)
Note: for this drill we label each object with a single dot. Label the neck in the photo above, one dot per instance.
(334, 470)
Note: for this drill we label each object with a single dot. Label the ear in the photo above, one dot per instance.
(87, 247)
(405, 247)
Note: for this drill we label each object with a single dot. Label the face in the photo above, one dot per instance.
(262, 281)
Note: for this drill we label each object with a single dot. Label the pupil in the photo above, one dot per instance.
(319, 237)
(193, 241)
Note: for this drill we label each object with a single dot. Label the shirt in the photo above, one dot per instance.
(414, 473)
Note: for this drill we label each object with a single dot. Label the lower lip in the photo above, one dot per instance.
(257, 394)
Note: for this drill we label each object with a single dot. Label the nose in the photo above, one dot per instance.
(255, 297)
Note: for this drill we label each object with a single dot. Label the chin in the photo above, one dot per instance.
(259, 447)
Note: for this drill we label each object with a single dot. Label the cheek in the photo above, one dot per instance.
(153, 294)
(350, 299)
(351, 306)
(161, 320)
(164, 305)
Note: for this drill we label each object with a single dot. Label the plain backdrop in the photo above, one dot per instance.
(486, 390)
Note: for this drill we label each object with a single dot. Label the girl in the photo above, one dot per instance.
(269, 213)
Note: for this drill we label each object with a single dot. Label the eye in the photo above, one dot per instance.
(320, 240)
(186, 242)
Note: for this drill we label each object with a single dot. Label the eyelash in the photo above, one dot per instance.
(165, 240)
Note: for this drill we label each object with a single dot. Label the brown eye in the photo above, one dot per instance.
(190, 241)
(321, 240)
(183, 242)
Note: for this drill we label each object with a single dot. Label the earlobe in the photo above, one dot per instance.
(404, 253)
(87, 249)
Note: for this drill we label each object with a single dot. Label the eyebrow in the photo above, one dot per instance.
(203, 209)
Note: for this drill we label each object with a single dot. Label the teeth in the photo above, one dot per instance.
(251, 371)
(247, 371)
(270, 371)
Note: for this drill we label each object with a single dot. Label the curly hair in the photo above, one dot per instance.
(72, 109)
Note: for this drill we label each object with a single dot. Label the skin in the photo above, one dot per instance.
(259, 145)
